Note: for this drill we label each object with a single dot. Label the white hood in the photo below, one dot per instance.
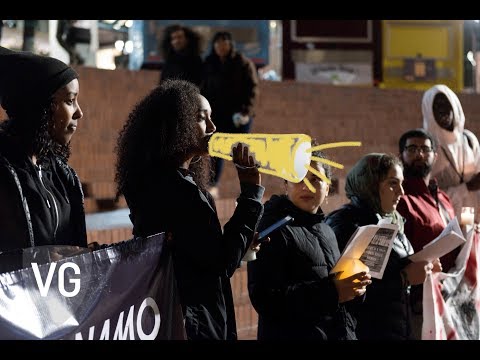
(443, 136)
(458, 159)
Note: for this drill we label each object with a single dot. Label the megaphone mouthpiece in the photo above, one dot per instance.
(282, 155)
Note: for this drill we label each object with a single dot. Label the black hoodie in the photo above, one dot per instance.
(34, 211)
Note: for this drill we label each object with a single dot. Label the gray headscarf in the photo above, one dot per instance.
(363, 182)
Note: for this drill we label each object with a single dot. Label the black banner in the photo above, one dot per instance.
(123, 292)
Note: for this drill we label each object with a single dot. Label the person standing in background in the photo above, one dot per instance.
(181, 52)
(457, 168)
(426, 208)
(230, 83)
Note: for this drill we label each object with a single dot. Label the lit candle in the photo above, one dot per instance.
(467, 216)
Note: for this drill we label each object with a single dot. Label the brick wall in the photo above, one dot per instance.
(106, 97)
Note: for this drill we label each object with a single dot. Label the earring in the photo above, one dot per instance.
(326, 200)
(195, 161)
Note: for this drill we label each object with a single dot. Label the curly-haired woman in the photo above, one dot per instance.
(163, 172)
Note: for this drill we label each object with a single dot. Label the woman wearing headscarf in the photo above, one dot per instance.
(374, 187)
(41, 199)
(457, 168)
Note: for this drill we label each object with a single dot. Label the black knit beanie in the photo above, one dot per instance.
(28, 80)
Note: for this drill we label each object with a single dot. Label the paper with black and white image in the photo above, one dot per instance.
(450, 238)
(369, 246)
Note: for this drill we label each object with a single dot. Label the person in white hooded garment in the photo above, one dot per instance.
(457, 168)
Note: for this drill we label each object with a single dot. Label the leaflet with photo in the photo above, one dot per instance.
(369, 247)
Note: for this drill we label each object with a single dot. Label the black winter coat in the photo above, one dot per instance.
(204, 257)
(385, 313)
(230, 87)
(289, 283)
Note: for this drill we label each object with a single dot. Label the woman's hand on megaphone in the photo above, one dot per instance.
(245, 163)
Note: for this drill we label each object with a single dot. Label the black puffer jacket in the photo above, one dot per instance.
(385, 313)
(289, 283)
(34, 211)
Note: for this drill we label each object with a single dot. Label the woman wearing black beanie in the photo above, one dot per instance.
(41, 200)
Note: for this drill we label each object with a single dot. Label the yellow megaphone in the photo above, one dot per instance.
(282, 155)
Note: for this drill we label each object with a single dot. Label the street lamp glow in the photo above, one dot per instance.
(119, 44)
(128, 47)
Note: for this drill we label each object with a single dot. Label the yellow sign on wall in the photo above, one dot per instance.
(406, 41)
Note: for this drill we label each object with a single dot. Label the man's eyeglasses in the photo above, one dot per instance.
(413, 149)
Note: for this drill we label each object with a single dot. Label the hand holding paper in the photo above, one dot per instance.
(352, 286)
(347, 266)
(368, 248)
(449, 239)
